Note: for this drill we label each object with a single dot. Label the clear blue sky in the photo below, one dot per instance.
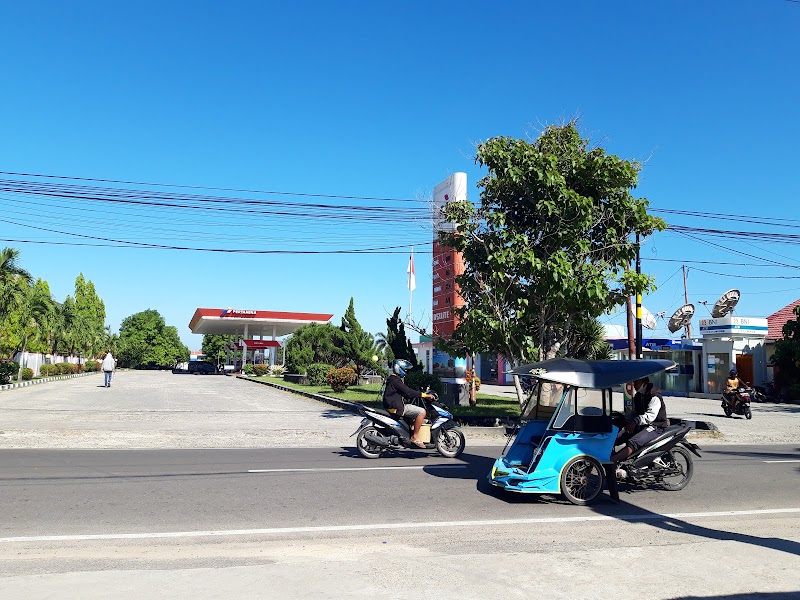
(382, 99)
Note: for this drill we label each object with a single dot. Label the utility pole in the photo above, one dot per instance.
(638, 304)
(631, 331)
(686, 300)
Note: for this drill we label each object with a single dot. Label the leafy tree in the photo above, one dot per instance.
(549, 244)
(214, 346)
(145, 340)
(314, 343)
(89, 316)
(586, 340)
(35, 309)
(358, 345)
(10, 273)
(399, 344)
(787, 356)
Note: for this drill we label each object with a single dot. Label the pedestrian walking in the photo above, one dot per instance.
(108, 367)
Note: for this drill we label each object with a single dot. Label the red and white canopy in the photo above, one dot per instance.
(263, 323)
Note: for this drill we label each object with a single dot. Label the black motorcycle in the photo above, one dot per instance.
(665, 462)
(381, 431)
(738, 403)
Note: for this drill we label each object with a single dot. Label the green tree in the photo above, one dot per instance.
(550, 243)
(314, 343)
(787, 356)
(10, 272)
(214, 346)
(89, 316)
(34, 311)
(586, 340)
(145, 340)
(357, 345)
(399, 345)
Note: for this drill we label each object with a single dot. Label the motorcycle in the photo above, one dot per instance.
(665, 461)
(381, 431)
(739, 404)
(768, 393)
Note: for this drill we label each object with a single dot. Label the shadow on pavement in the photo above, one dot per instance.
(754, 596)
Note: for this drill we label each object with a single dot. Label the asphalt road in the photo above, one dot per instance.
(326, 523)
(167, 486)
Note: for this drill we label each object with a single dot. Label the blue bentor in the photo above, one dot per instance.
(566, 434)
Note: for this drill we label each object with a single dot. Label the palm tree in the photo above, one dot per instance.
(35, 309)
(586, 340)
(10, 273)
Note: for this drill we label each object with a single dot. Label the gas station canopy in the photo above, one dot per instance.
(264, 323)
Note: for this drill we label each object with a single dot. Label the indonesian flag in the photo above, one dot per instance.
(412, 280)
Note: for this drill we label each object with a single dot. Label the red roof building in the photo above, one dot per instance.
(778, 319)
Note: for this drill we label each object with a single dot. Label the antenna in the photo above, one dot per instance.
(648, 320)
(681, 317)
(726, 303)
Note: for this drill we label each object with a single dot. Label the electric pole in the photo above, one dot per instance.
(638, 304)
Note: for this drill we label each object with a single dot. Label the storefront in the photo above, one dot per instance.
(733, 342)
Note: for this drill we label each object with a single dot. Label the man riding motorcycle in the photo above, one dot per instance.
(395, 394)
(646, 423)
(732, 385)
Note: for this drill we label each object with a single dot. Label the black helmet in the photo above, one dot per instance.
(401, 366)
(733, 373)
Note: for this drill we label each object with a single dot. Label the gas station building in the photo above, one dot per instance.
(252, 334)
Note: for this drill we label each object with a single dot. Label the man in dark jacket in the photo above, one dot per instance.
(396, 392)
(646, 422)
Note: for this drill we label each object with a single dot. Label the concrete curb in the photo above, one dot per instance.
(19, 384)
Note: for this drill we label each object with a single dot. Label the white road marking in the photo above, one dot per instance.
(781, 461)
(390, 526)
(323, 469)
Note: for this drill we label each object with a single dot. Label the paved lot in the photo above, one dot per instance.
(154, 409)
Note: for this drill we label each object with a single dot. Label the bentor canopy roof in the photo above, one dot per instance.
(592, 373)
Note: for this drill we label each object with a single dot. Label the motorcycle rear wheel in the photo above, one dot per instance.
(365, 447)
(680, 460)
(582, 480)
(450, 442)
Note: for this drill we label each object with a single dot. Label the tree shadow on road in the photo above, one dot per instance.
(747, 596)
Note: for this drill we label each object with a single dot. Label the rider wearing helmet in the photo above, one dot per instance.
(396, 391)
(732, 385)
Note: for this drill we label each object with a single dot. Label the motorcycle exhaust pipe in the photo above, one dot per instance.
(373, 437)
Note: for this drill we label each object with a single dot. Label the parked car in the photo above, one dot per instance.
(202, 368)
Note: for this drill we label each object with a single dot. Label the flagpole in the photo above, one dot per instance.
(411, 289)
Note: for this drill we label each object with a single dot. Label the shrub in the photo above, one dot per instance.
(260, 370)
(340, 379)
(470, 374)
(248, 369)
(420, 380)
(91, 366)
(47, 370)
(276, 370)
(27, 374)
(318, 373)
(7, 371)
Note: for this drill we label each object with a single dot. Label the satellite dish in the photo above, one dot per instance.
(725, 304)
(681, 317)
(648, 320)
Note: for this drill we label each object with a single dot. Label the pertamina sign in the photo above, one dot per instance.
(234, 312)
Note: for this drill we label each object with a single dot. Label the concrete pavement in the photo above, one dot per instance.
(156, 409)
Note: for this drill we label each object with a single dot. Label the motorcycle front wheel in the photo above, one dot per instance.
(679, 469)
(450, 442)
(747, 414)
(727, 408)
(366, 448)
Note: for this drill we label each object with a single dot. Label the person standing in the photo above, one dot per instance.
(108, 367)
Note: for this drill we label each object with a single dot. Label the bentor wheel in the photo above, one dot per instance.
(366, 448)
(747, 413)
(582, 480)
(679, 469)
(450, 442)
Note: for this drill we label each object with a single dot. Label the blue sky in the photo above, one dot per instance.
(382, 100)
